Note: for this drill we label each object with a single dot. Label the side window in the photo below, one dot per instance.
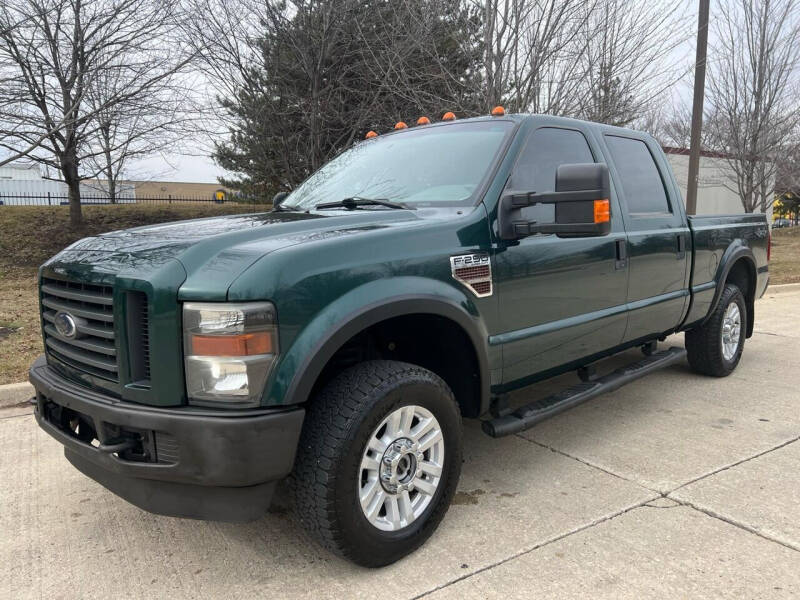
(546, 149)
(641, 180)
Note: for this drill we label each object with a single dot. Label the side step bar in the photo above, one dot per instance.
(529, 415)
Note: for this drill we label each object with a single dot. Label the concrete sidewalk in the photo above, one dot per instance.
(676, 485)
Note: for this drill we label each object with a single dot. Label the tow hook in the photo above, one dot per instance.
(117, 446)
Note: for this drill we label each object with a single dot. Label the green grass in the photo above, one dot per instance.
(784, 265)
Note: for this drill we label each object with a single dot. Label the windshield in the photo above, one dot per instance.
(422, 167)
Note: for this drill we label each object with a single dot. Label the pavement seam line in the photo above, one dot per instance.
(707, 511)
(664, 494)
(592, 465)
(538, 546)
(739, 524)
(791, 337)
(3, 418)
(734, 464)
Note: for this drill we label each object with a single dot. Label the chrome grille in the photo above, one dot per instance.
(93, 349)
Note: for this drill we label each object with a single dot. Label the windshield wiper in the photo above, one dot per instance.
(356, 201)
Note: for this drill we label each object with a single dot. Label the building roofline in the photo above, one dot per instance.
(686, 152)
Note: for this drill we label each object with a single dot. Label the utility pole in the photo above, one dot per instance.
(697, 106)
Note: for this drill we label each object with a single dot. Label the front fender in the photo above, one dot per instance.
(368, 304)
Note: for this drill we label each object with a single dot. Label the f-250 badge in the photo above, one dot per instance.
(474, 271)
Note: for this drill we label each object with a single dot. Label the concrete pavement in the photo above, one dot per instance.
(676, 485)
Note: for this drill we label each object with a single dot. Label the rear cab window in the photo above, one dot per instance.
(641, 181)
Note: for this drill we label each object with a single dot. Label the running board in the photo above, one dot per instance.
(529, 415)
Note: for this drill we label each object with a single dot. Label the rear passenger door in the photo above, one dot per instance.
(658, 237)
(560, 299)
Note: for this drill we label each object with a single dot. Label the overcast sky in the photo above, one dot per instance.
(196, 169)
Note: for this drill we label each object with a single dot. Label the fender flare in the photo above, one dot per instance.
(309, 370)
(735, 253)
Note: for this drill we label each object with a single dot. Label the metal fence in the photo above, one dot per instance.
(92, 199)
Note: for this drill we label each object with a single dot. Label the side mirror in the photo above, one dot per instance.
(581, 200)
(278, 198)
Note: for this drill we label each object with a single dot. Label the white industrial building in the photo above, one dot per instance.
(22, 183)
(715, 186)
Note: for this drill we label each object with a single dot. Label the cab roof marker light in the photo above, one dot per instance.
(449, 116)
(498, 111)
(423, 121)
(370, 134)
(400, 125)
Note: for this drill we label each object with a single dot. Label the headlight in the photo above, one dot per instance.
(229, 349)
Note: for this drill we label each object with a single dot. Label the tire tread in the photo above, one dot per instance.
(702, 343)
(332, 420)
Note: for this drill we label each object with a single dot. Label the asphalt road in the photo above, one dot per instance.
(676, 485)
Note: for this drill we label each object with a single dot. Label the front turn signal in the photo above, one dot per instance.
(242, 344)
(602, 211)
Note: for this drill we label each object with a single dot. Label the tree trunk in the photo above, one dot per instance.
(69, 169)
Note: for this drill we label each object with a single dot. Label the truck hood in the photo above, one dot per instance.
(214, 251)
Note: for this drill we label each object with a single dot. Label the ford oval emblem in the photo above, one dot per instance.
(65, 324)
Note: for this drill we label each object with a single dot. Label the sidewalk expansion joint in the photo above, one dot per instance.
(592, 465)
(668, 494)
(735, 464)
(783, 335)
(16, 415)
(738, 524)
(538, 546)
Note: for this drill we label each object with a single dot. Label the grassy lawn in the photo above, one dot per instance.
(784, 264)
(29, 235)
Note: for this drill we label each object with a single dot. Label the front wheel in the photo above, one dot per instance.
(716, 346)
(378, 461)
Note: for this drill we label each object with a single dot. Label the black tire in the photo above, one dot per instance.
(339, 422)
(703, 343)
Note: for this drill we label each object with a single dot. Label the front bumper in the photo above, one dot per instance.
(183, 462)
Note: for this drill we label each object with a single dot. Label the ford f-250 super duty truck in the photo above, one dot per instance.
(414, 280)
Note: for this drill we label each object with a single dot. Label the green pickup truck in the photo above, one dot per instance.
(340, 338)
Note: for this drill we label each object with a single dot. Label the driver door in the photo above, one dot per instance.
(560, 299)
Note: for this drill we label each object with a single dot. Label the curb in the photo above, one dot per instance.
(782, 288)
(15, 393)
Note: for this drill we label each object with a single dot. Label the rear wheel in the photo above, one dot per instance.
(715, 347)
(379, 461)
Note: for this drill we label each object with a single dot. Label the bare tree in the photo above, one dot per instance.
(531, 53)
(754, 92)
(155, 120)
(631, 59)
(57, 53)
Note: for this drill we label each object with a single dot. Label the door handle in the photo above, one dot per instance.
(622, 254)
(681, 245)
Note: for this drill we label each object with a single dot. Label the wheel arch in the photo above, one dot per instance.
(738, 266)
(306, 376)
